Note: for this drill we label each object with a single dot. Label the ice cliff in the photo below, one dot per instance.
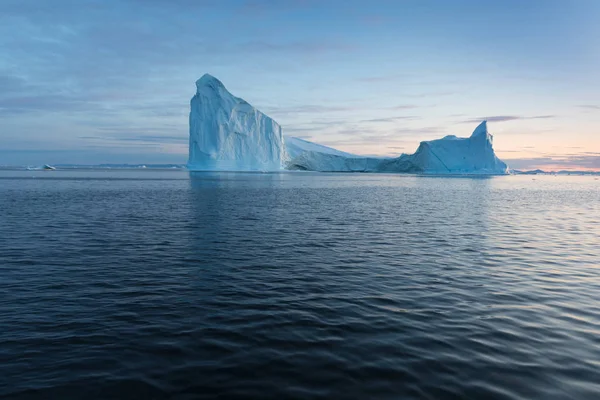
(228, 134)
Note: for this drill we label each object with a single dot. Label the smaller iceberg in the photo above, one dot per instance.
(449, 155)
(453, 155)
(45, 167)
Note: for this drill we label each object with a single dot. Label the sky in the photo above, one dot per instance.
(107, 81)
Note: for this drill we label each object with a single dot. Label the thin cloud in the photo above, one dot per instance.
(295, 129)
(404, 107)
(265, 7)
(505, 118)
(305, 47)
(127, 136)
(308, 109)
(569, 161)
(390, 119)
(356, 131)
(420, 131)
(382, 78)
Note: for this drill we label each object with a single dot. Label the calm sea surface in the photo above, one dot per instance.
(161, 285)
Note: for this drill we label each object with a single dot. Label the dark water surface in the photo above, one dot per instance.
(158, 285)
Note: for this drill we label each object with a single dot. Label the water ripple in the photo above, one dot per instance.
(157, 285)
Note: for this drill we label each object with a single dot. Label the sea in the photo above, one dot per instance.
(166, 284)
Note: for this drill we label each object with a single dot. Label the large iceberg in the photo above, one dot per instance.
(228, 134)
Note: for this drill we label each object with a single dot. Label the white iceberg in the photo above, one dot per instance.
(452, 155)
(449, 155)
(228, 134)
(44, 167)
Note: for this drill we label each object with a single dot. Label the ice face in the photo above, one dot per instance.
(228, 134)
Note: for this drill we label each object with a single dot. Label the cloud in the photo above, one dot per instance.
(298, 129)
(382, 78)
(404, 107)
(390, 119)
(17, 97)
(575, 161)
(86, 156)
(589, 106)
(11, 84)
(52, 102)
(432, 94)
(504, 118)
(421, 131)
(308, 109)
(306, 47)
(265, 8)
(140, 138)
(357, 131)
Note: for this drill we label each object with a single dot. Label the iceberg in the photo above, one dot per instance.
(45, 167)
(228, 134)
(452, 155)
(449, 155)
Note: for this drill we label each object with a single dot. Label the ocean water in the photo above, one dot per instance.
(164, 285)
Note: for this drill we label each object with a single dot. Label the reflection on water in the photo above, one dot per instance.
(160, 284)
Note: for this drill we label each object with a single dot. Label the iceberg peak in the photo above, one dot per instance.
(207, 80)
(481, 129)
